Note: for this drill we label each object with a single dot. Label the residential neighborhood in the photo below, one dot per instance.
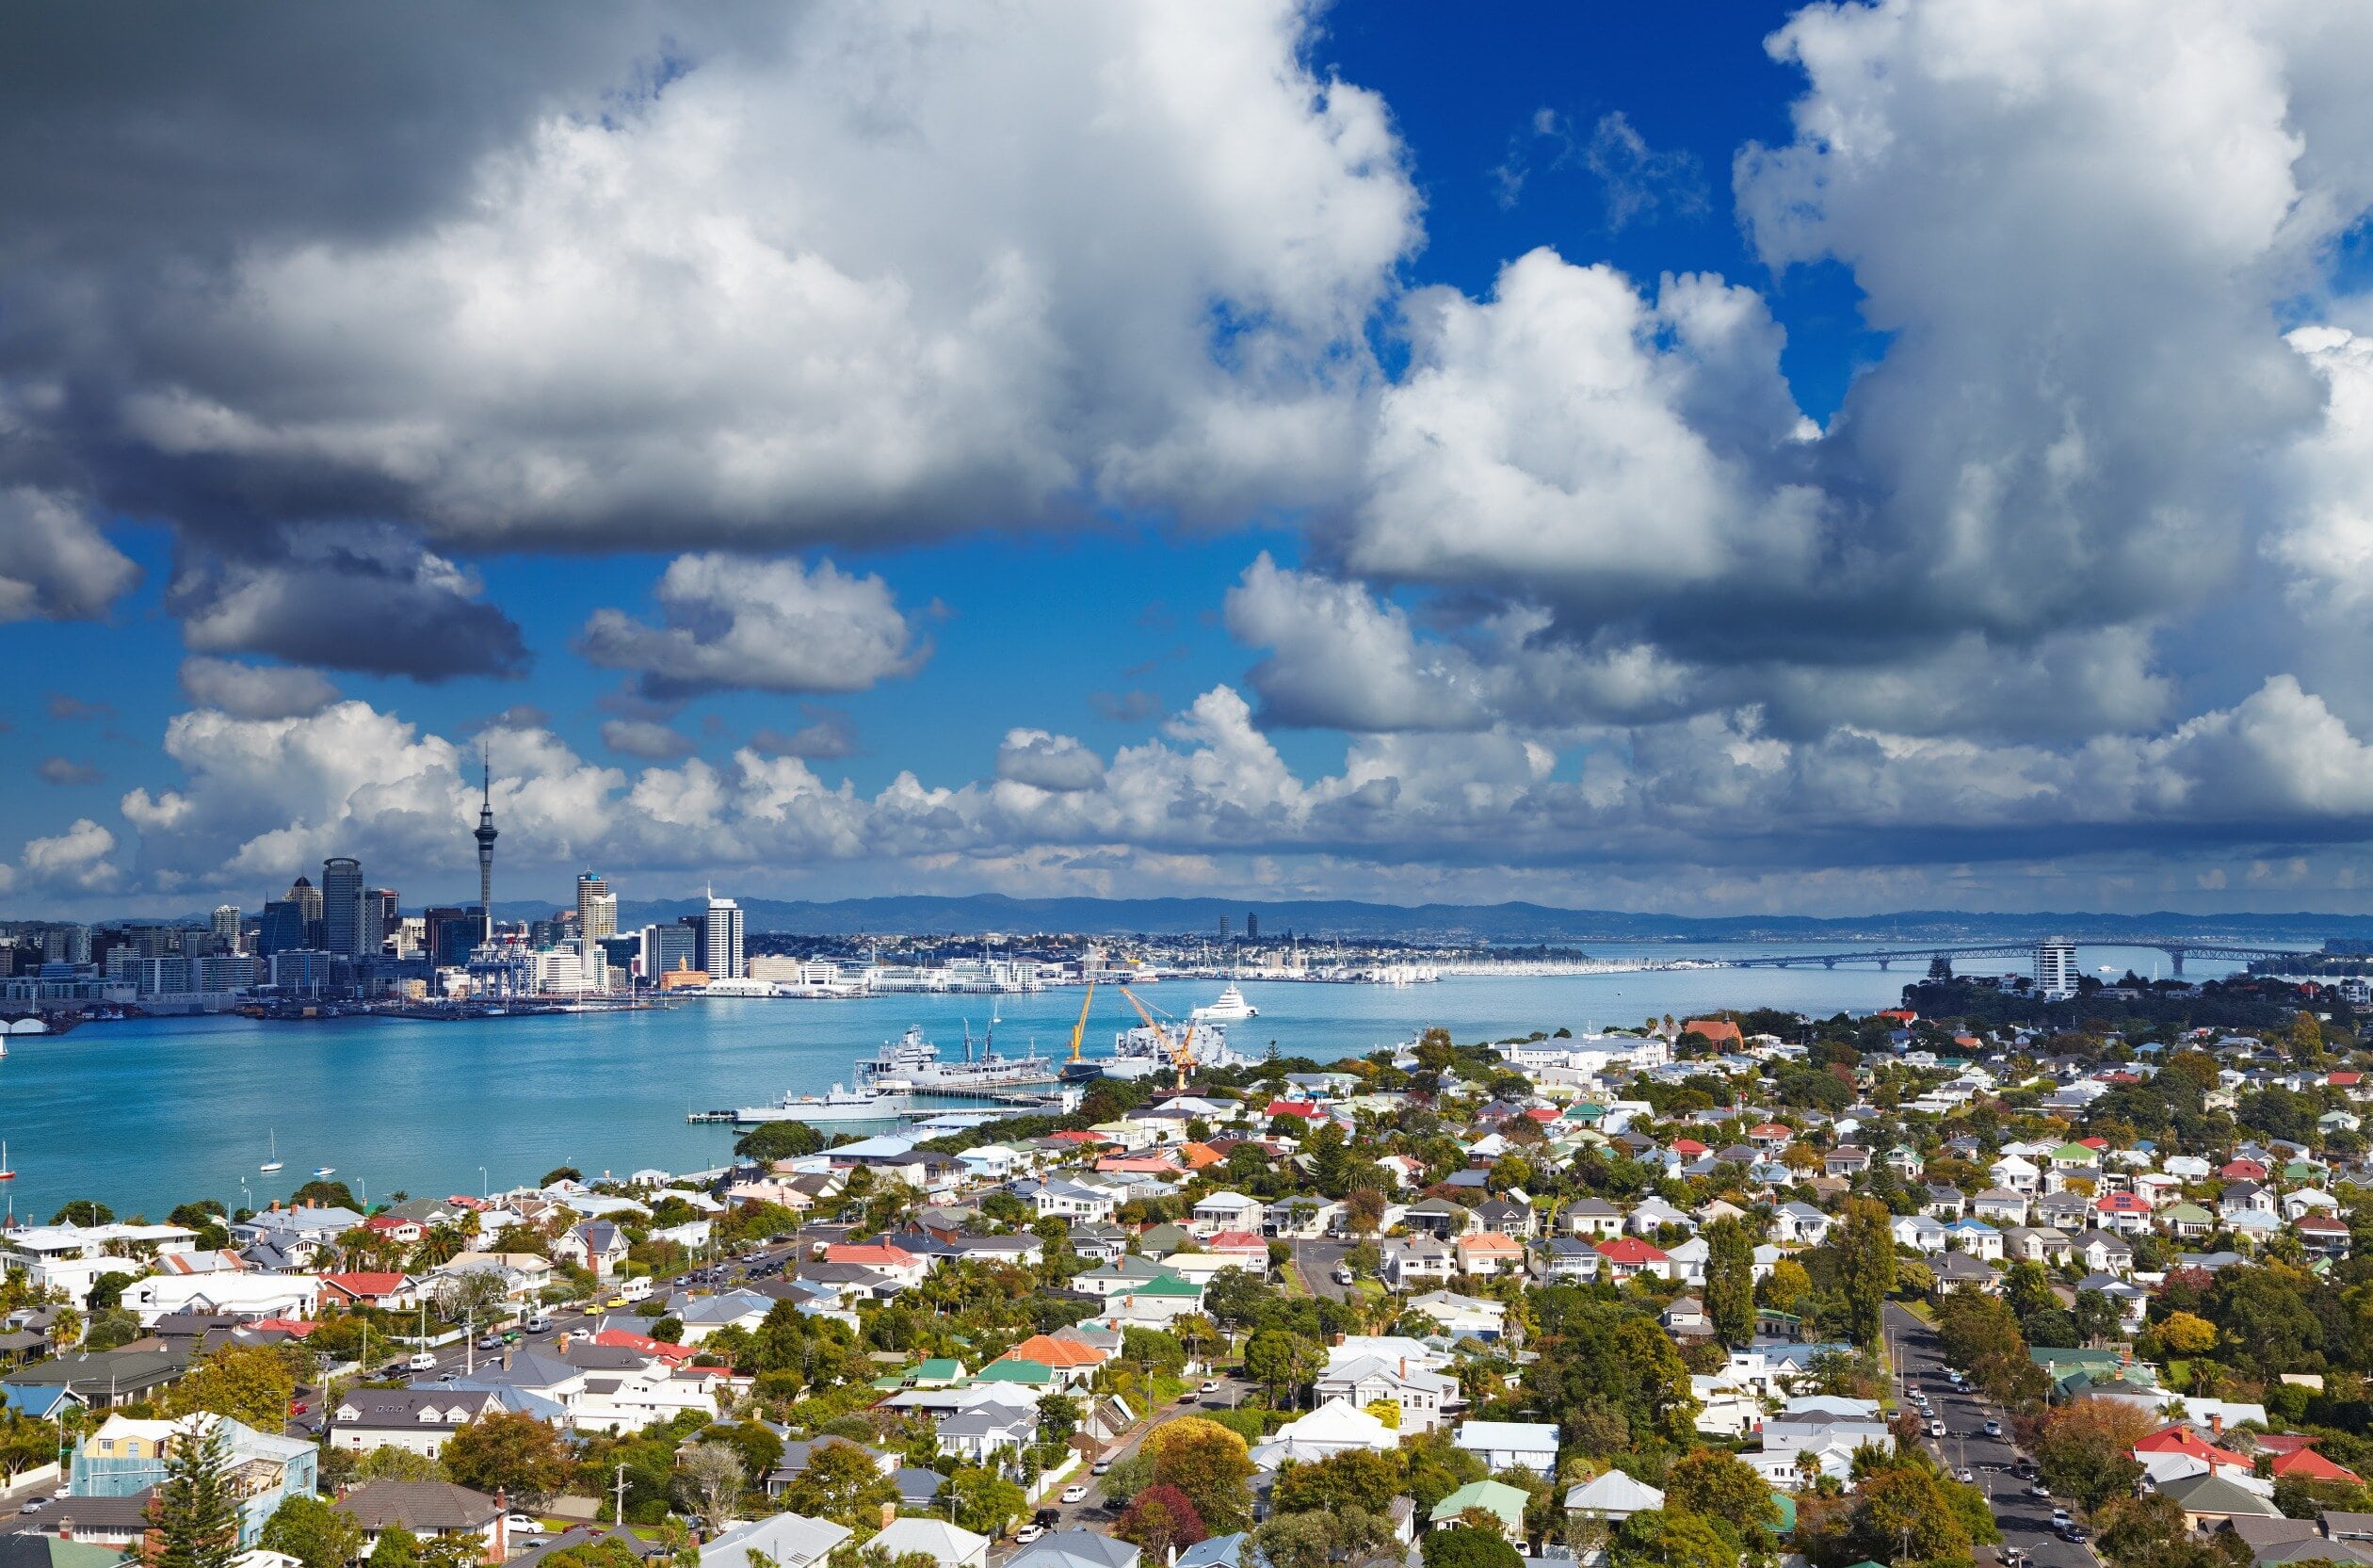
(1757, 1288)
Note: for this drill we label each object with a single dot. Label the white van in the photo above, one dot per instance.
(537, 1321)
(421, 1362)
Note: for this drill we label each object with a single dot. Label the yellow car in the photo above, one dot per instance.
(618, 1303)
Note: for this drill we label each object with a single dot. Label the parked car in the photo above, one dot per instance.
(1964, 1476)
(2039, 1490)
(1100, 1468)
(1028, 1533)
(1994, 1429)
(1075, 1492)
(2071, 1532)
(2060, 1516)
(522, 1523)
(1936, 1428)
(34, 1505)
(1210, 1388)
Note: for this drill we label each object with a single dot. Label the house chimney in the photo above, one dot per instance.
(889, 1512)
(2216, 1422)
(502, 1527)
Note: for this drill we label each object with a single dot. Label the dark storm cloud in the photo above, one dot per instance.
(363, 598)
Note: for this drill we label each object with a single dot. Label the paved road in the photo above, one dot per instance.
(1317, 1260)
(2026, 1521)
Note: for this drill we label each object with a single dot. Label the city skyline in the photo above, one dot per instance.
(1809, 459)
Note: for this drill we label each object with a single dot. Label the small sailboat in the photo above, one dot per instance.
(7, 1172)
(320, 1172)
(275, 1162)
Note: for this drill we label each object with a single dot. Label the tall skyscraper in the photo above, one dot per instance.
(597, 916)
(486, 836)
(1251, 926)
(226, 926)
(283, 928)
(342, 916)
(721, 947)
(307, 899)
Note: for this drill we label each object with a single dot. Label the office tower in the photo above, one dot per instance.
(66, 945)
(448, 934)
(283, 928)
(486, 836)
(390, 918)
(722, 947)
(2056, 967)
(597, 916)
(1252, 927)
(1223, 927)
(307, 898)
(226, 926)
(341, 925)
(697, 925)
(665, 949)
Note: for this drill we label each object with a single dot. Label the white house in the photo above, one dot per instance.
(1512, 1445)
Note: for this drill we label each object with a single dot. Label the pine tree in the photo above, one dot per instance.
(196, 1510)
(1729, 1281)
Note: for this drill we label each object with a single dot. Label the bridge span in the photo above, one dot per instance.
(2176, 948)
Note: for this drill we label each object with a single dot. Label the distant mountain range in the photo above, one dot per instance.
(981, 914)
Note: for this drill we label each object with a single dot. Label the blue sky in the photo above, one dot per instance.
(1685, 457)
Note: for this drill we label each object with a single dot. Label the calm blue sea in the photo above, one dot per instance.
(146, 1114)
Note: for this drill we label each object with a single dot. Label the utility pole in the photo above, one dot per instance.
(621, 1487)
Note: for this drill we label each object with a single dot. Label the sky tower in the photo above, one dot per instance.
(486, 849)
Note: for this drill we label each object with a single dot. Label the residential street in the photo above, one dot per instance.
(1317, 1260)
(2026, 1522)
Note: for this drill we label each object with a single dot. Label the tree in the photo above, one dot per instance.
(1159, 1519)
(197, 1507)
(1356, 1478)
(1717, 1485)
(1210, 1465)
(842, 1484)
(560, 1173)
(474, 1296)
(1866, 1268)
(1363, 1210)
(84, 1211)
(1729, 1281)
(1668, 1538)
(507, 1451)
(1786, 1286)
(314, 1532)
(2087, 1449)
(1319, 1540)
(390, 1462)
(250, 1384)
(1277, 1360)
(1901, 1515)
(398, 1548)
(26, 1441)
(1464, 1546)
(708, 1480)
(986, 1502)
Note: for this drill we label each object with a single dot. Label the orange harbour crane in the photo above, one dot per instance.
(1181, 1047)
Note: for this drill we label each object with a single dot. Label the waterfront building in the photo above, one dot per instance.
(226, 926)
(342, 916)
(301, 972)
(228, 972)
(282, 929)
(721, 940)
(448, 932)
(2056, 967)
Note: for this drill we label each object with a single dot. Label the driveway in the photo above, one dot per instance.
(2026, 1522)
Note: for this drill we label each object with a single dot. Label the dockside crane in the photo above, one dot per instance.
(1079, 1030)
(1181, 1047)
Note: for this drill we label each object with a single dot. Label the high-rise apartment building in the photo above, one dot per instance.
(1252, 927)
(66, 945)
(226, 926)
(2056, 967)
(342, 913)
(721, 947)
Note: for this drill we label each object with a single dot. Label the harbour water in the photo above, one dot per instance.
(144, 1114)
